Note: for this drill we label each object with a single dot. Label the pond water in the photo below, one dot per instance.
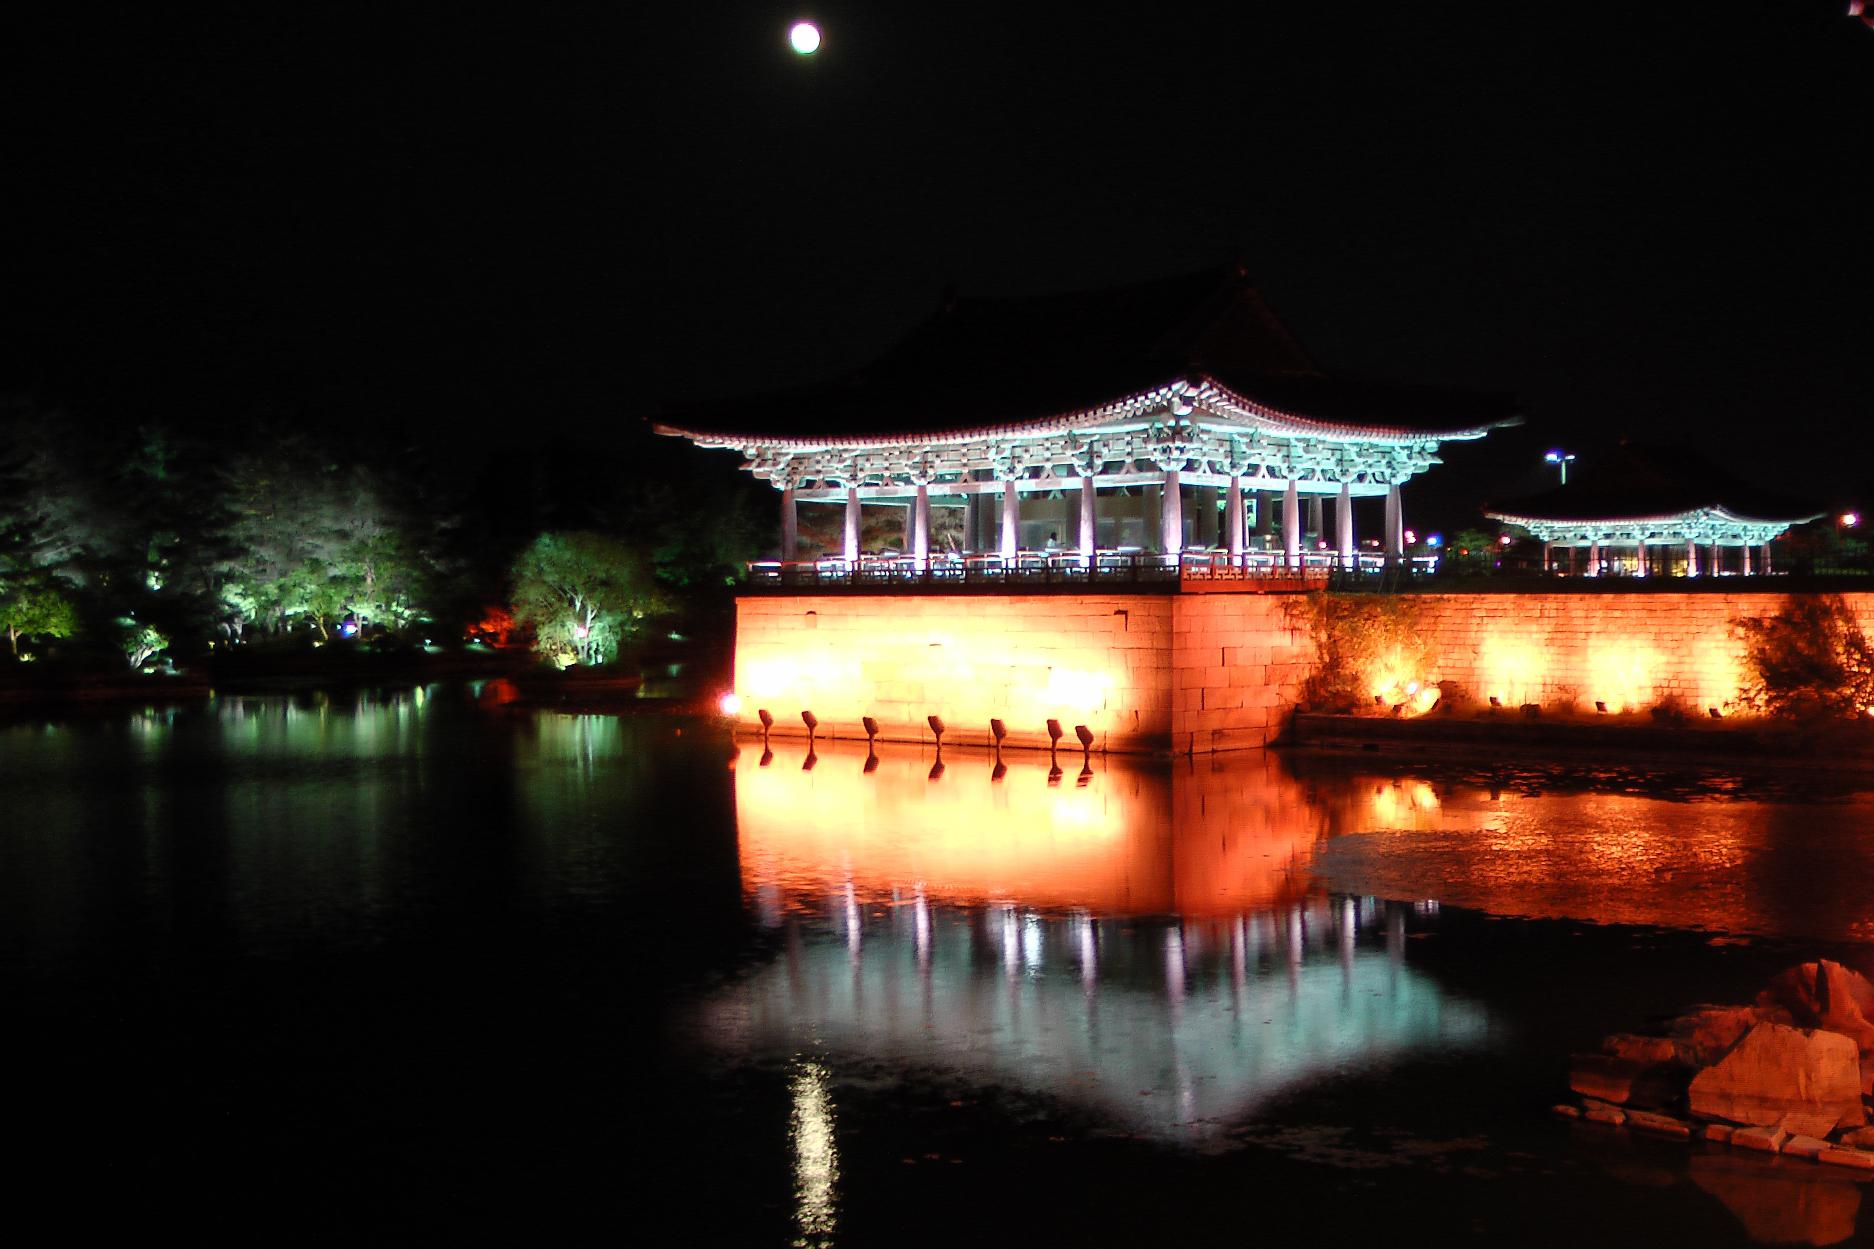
(417, 966)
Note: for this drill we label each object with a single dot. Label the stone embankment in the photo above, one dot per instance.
(1789, 1074)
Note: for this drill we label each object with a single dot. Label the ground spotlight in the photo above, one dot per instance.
(1600, 706)
(871, 729)
(813, 723)
(936, 729)
(767, 721)
(1085, 735)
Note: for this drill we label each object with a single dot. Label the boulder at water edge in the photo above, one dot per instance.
(1776, 1070)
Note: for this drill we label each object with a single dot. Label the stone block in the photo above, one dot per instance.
(1809, 1147)
(1858, 1159)
(1765, 1140)
(1621, 1081)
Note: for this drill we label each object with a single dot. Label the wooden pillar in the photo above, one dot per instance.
(1744, 555)
(1343, 527)
(851, 551)
(1395, 525)
(1691, 558)
(790, 526)
(1173, 514)
(1594, 558)
(1204, 498)
(1548, 557)
(1716, 561)
(1265, 515)
(1640, 557)
(1233, 518)
(1011, 521)
(1315, 518)
(1766, 559)
(920, 525)
(1089, 519)
(1291, 525)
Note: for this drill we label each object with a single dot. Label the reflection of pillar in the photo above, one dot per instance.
(920, 525)
(1173, 514)
(1691, 558)
(1233, 516)
(1011, 520)
(1343, 524)
(1291, 525)
(1089, 518)
(790, 525)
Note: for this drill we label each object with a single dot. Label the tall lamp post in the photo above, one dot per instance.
(1560, 459)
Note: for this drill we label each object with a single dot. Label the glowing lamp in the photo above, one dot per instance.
(1411, 537)
(1850, 519)
(730, 704)
(804, 38)
(1503, 539)
(1434, 541)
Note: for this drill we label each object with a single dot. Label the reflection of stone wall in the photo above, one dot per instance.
(1144, 672)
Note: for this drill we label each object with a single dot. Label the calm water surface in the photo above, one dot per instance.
(411, 967)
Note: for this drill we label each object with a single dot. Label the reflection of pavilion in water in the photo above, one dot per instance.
(979, 928)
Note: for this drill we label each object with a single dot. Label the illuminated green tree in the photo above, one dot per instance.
(582, 594)
(36, 613)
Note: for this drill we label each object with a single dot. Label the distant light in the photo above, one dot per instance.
(1850, 519)
(1410, 537)
(580, 631)
(1434, 541)
(804, 38)
(1503, 539)
(730, 704)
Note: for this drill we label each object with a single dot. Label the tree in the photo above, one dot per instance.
(582, 594)
(1810, 659)
(36, 612)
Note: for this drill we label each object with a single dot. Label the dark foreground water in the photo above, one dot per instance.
(416, 969)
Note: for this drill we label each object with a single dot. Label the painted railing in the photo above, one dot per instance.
(1108, 569)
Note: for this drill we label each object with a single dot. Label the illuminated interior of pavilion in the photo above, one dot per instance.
(1160, 423)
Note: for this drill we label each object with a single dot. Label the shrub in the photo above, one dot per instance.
(1810, 659)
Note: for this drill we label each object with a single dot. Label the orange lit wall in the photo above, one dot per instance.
(1143, 672)
(1194, 673)
(1630, 651)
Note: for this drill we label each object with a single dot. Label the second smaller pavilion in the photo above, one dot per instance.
(1654, 511)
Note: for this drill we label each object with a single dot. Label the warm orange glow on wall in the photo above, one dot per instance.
(1623, 676)
(1511, 668)
(1132, 840)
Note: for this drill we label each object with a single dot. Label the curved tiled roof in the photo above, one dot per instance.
(995, 366)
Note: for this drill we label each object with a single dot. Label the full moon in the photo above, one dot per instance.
(805, 38)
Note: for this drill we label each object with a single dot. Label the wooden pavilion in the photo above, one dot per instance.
(1157, 423)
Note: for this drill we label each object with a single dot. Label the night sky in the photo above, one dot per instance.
(1648, 220)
